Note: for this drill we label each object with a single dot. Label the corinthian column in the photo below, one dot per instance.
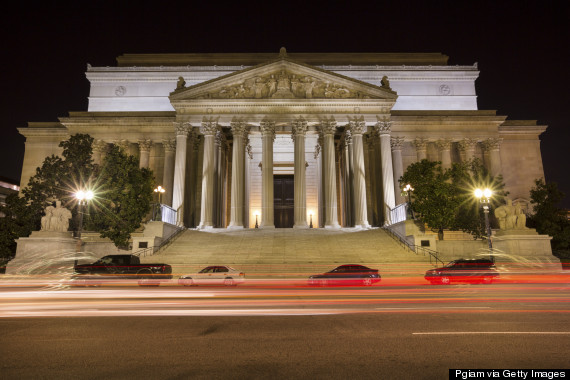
(467, 148)
(492, 145)
(239, 133)
(299, 129)
(267, 136)
(357, 128)
(182, 131)
(168, 175)
(396, 145)
(444, 147)
(208, 129)
(421, 148)
(144, 152)
(384, 128)
(329, 128)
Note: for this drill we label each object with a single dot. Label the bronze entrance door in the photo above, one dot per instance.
(284, 193)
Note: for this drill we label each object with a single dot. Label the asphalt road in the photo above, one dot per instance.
(398, 332)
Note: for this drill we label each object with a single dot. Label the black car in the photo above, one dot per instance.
(350, 274)
(464, 270)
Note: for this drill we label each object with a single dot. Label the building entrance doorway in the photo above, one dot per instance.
(283, 205)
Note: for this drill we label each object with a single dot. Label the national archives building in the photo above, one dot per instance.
(291, 140)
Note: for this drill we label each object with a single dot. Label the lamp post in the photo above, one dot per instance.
(159, 190)
(82, 198)
(408, 189)
(484, 196)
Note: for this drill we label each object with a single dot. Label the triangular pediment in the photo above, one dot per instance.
(283, 79)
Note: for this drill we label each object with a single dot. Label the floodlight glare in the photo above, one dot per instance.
(487, 193)
(478, 193)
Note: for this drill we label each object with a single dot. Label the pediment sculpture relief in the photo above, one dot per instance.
(284, 85)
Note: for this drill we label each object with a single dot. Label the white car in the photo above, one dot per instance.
(213, 275)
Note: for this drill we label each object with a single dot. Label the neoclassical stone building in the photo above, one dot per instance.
(291, 140)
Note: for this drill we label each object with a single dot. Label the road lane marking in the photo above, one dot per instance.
(492, 332)
(433, 308)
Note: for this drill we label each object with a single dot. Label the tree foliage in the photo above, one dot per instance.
(17, 222)
(59, 178)
(548, 218)
(124, 194)
(444, 199)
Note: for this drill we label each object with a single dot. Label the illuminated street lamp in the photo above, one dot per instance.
(408, 189)
(160, 190)
(83, 197)
(484, 197)
(157, 209)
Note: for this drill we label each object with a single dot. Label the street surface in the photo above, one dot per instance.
(281, 330)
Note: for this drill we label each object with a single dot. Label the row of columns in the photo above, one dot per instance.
(491, 149)
(385, 169)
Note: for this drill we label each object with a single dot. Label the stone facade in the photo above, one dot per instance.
(217, 129)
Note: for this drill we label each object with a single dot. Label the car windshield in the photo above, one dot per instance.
(450, 264)
(207, 270)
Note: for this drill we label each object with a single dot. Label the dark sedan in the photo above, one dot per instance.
(349, 274)
(464, 270)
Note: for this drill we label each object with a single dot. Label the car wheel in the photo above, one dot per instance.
(145, 278)
(228, 281)
(187, 281)
(445, 280)
(367, 281)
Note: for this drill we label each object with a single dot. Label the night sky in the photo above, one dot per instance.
(522, 49)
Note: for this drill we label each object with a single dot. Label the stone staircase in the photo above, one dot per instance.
(289, 252)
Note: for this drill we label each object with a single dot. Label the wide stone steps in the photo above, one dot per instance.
(289, 252)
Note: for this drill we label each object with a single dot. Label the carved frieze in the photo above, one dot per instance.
(284, 85)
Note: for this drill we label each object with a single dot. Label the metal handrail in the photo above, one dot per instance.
(415, 248)
(156, 248)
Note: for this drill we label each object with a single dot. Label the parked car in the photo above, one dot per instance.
(350, 274)
(464, 270)
(122, 267)
(214, 275)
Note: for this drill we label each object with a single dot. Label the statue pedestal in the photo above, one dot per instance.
(44, 252)
(524, 246)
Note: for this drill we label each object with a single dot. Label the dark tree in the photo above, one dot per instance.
(123, 197)
(548, 217)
